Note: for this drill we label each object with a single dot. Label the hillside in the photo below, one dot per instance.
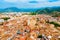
(54, 11)
(14, 9)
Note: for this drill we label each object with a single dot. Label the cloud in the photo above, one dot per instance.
(25, 1)
(53, 0)
(13, 1)
(10, 0)
(29, 3)
(57, 3)
(41, 4)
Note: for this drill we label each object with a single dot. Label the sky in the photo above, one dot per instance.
(28, 3)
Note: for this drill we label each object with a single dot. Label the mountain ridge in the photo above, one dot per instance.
(15, 9)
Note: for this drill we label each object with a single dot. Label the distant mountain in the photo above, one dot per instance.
(48, 10)
(39, 10)
(14, 9)
(53, 11)
(11, 9)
